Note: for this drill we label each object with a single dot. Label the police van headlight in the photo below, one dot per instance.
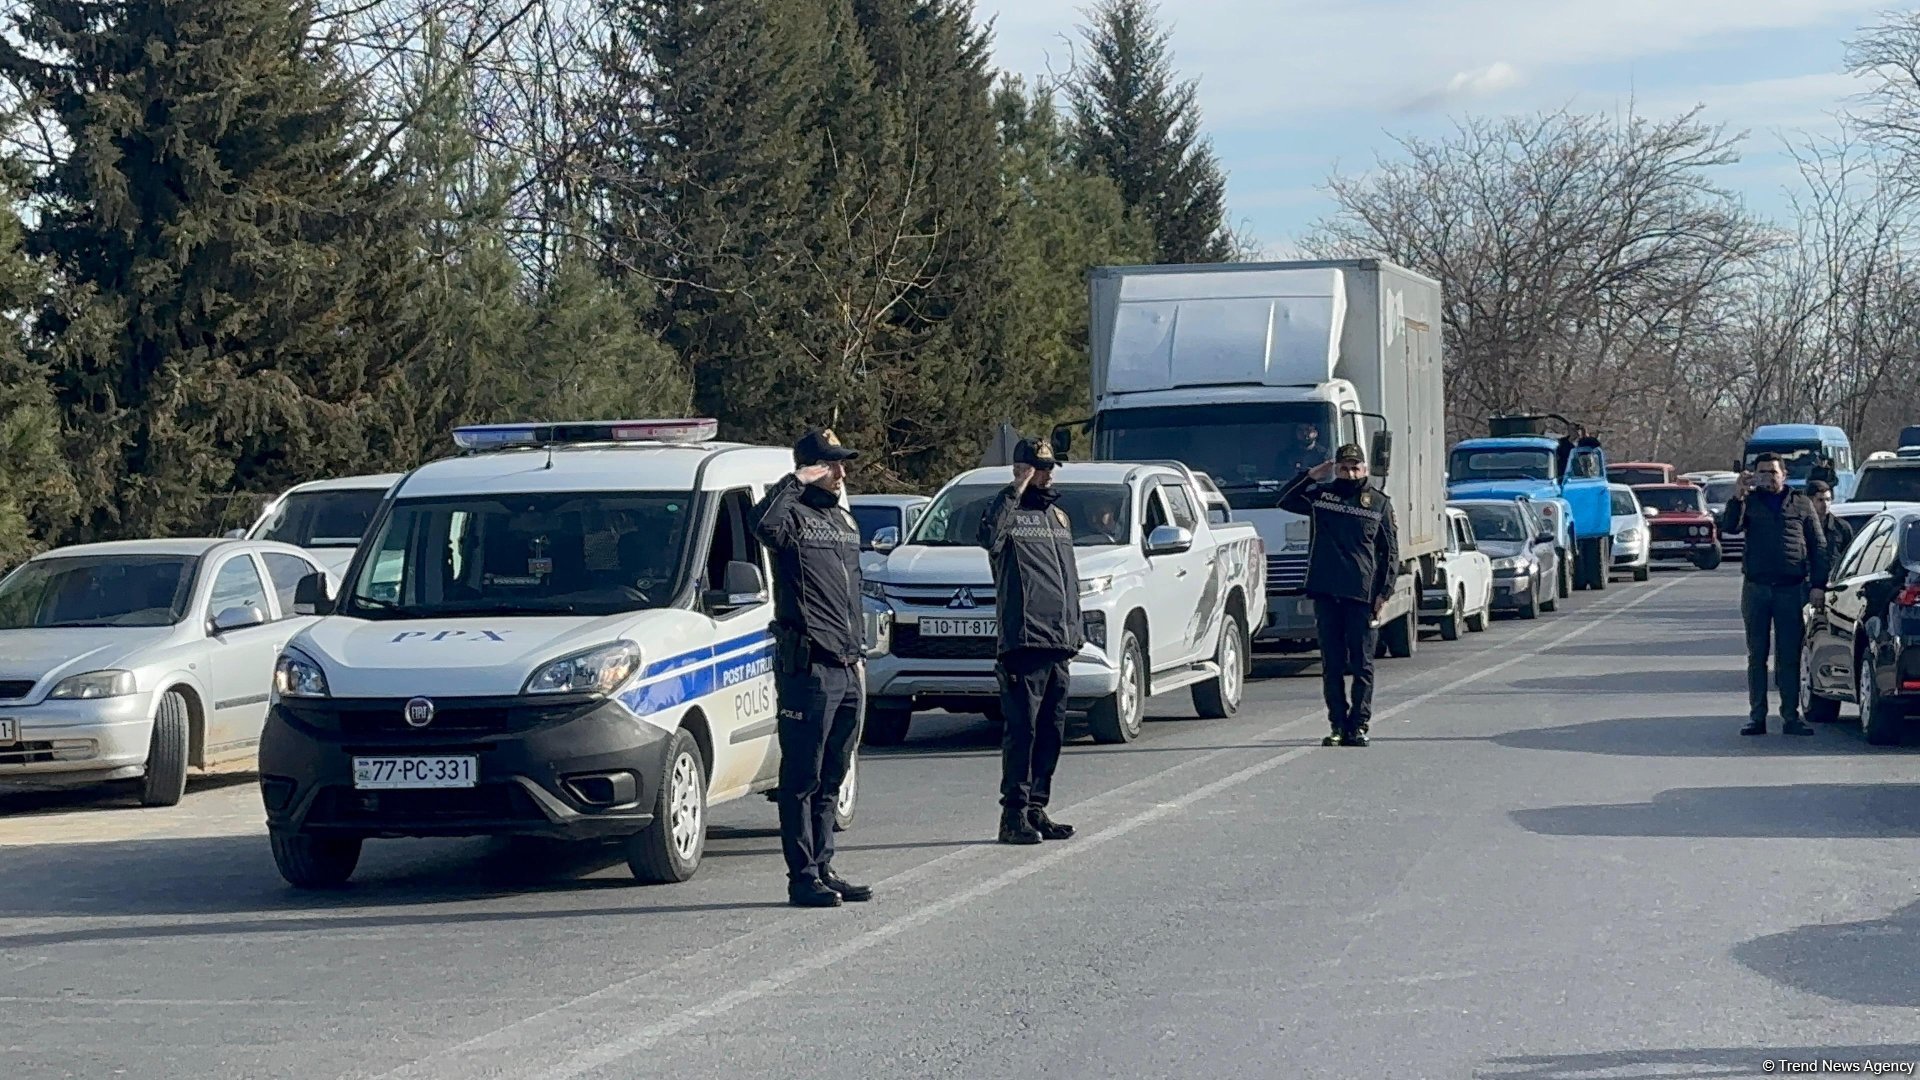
(873, 590)
(599, 670)
(296, 675)
(1094, 586)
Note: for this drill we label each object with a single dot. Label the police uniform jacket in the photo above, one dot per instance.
(1036, 581)
(816, 567)
(1355, 551)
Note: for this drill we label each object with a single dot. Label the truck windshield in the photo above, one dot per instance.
(1800, 458)
(1511, 464)
(322, 519)
(568, 553)
(1250, 449)
(1497, 521)
(97, 590)
(1882, 484)
(1099, 514)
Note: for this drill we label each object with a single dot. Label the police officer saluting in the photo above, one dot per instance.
(1350, 572)
(819, 665)
(1037, 596)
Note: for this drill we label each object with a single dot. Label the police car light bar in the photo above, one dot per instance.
(497, 436)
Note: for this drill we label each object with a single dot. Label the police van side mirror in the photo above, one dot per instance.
(743, 587)
(312, 596)
(885, 539)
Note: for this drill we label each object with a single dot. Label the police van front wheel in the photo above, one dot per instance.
(1116, 718)
(670, 848)
(886, 725)
(314, 862)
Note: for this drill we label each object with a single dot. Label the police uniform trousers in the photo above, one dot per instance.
(1347, 640)
(1033, 698)
(820, 712)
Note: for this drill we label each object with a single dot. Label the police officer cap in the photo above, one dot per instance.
(820, 445)
(1350, 454)
(1036, 453)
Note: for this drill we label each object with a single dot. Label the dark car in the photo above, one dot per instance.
(1863, 645)
(1681, 526)
(1520, 546)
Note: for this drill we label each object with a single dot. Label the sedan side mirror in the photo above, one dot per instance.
(238, 618)
(1546, 537)
(1169, 540)
(313, 595)
(885, 540)
(744, 587)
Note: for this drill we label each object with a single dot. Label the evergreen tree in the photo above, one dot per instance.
(1135, 120)
(37, 492)
(226, 271)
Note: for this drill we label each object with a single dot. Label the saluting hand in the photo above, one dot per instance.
(1321, 473)
(811, 474)
(1022, 476)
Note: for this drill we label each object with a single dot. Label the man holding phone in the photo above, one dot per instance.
(1785, 567)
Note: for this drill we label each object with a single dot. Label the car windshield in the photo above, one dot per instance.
(872, 519)
(1636, 474)
(1493, 521)
(322, 519)
(97, 590)
(1467, 465)
(1718, 491)
(1799, 458)
(1099, 514)
(1882, 484)
(586, 553)
(1250, 450)
(1624, 504)
(1673, 500)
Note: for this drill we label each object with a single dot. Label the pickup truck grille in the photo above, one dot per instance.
(908, 644)
(1286, 574)
(13, 689)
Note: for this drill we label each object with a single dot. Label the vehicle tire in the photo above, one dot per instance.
(165, 780)
(1450, 622)
(1401, 637)
(1642, 573)
(886, 725)
(848, 803)
(1551, 603)
(1531, 609)
(1709, 561)
(1565, 579)
(1813, 708)
(1880, 720)
(314, 862)
(1116, 718)
(669, 850)
(1220, 698)
(1477, 622)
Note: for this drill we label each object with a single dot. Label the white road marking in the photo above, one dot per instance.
(459, 1059)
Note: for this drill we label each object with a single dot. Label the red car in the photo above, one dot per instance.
(1680, 525)
(1636, 473)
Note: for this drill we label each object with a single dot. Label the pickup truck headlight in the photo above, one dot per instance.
(1095, 625)
(599, 670)
(295, 675)
(1094, 586)
(875, 590)
(93, 685)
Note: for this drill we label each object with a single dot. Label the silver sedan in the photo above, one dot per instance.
(143, 659)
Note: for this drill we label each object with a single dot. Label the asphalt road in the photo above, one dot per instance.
(1558, 860)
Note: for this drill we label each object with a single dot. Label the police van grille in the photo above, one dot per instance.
(362, 717)
(14, 689)
(1286, 574)
(909, 644)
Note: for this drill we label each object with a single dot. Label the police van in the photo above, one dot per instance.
(562, 632)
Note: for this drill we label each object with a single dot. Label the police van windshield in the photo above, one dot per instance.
(568, 553)
(1098, 512)
(1250, 449)
(322, 519)
(1466, 465)
(1881, 484)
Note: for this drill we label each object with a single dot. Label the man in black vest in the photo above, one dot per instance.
(1036, 586)
(819, 659)
(1351, 566)
(1785, 567)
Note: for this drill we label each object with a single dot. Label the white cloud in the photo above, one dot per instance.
(1469, 85)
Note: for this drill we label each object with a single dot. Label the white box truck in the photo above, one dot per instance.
(1251, 372)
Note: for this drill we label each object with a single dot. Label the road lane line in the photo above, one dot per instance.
(459, 1059)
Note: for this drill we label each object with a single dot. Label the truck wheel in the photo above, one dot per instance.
(1220, 698)
(1602, 563)
(314, 862)
(1401, 636)
(1450, 622)
(165, 780)
(1116, 718)
(1879, 719)
(846, 804)
(670, 848)
(1813, 708)
(886, 724)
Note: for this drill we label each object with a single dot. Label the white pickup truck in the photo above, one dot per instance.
(1169, 592)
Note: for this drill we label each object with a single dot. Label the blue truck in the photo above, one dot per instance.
(1521, 456)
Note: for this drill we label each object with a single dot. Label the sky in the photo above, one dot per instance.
(1292, 91)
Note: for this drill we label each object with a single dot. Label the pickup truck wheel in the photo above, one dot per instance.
(1450, 622)
(165, 780)
(314, 862)
(886, 724)
(1401, 636)
(1477, 621)
(1814, 708)
(1116, 718)
(669, 850)
(1220, 698)
(1879, 719)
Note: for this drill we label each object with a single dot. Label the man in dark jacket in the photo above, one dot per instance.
(1785, 566)
(1036, 586)
(1351, 565)
(819, 659)
(1839, 533)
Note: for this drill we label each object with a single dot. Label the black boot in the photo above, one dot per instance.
(1048, 828)
(851, 893)
(1356, 737)
(1756, 726)
(1793, 725)
(811, 892)
(1015, 828)
(1333, 737)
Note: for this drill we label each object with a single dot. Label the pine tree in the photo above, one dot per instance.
(37, 492)
(227, 270)
(1136, 121)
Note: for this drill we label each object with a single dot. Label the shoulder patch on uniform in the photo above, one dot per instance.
(1367, 499)
(1060, 516)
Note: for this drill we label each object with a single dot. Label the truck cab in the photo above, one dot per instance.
(1540, 467)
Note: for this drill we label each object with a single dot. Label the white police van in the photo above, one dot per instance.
(561, 633)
